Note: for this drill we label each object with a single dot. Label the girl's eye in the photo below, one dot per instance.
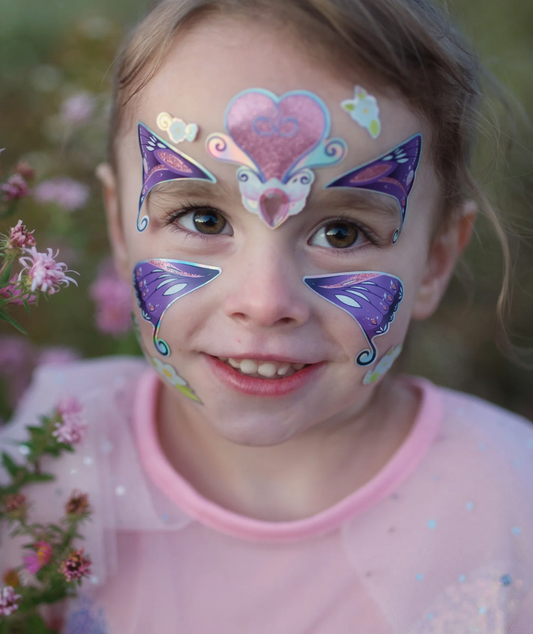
(207, 221)
(338, 234)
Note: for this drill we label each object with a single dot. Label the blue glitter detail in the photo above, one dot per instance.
(419, 576)
(434, 478)
(462, 578)
(517, 530)
(506, 580)
(481, 446)
(86, 619)
(469, 506)
(517, 462)
(431, 616)
(529, 443)
(165, 517)
(482, 609)
(432, 524)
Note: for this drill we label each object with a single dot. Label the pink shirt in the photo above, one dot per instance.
(439, 541)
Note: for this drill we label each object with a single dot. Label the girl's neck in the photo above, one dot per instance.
(298, 478)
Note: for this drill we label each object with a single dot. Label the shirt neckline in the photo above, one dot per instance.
(400, 466)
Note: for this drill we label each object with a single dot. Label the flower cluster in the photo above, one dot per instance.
(8, 601)
(40, 273)
(53, 567)
(16, 186)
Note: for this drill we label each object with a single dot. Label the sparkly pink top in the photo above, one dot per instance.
(440, 541)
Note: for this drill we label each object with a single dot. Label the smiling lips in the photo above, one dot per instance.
(263, 369)
(263, 377)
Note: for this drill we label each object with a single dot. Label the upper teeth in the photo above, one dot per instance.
(268, 369)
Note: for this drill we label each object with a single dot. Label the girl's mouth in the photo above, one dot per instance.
(259, 377)
(263, 369)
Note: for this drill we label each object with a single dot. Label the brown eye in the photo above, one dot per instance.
(209, 221)
(341, 235)
(338, 234)
(206, 221)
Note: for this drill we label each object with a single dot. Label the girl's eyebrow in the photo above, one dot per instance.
(190, 188)
(356, 199)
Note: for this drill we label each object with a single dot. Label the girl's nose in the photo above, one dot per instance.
(264, 290)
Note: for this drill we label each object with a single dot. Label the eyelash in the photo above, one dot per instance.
(189, 207)
(368, 234)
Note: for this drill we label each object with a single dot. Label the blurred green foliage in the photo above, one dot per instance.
(54, 49)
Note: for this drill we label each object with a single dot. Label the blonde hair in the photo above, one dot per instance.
(408, 45)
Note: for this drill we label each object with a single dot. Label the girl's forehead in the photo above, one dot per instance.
(207, 67)
(254, 100)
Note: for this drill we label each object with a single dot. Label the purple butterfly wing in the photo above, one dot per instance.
(370, 297)
(163, 163)
(392, 174)
(159, 283)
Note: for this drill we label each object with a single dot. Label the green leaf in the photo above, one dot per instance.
(41, 477)
(5, 317)
(36, 625)
(349, 106)
(5, 277)
(10, 465)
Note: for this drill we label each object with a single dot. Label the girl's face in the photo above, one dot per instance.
(258, 308)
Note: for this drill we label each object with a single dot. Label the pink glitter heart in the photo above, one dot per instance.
(276, 134)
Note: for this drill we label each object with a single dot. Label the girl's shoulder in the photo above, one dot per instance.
(494, 425)
(80, 379)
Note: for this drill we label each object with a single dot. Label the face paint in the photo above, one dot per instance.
(162, 163)
(370, 297)
(165, 370)
(177, 129)
(170, 375)
(392, 174)
(383, 365)
(364, 110)
(276, 140)
(159, 283)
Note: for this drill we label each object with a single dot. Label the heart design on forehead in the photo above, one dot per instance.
(276, 132)
(276, 140)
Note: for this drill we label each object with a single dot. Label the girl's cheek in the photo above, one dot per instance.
(158, 284)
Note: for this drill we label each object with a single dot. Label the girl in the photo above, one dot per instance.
(289, 187)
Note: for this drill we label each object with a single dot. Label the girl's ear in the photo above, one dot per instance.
(443, 254)
(107, 177)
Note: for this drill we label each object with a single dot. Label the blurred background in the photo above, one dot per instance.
(55, 76)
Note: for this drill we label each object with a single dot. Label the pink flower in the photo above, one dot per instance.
(78, 108)
(8, 601)
(25, 170)
(65, 192)
(71, 430)
(113, 301)
(20, 237)
(39, 558)
(45, 273)
(15, 188)
(76, 566)
(69, 405)
(15, 294)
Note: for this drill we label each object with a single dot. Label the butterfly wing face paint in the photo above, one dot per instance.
(159, 283)
(392, 174)
(276, 141)
(161, 163)
(370, 297)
